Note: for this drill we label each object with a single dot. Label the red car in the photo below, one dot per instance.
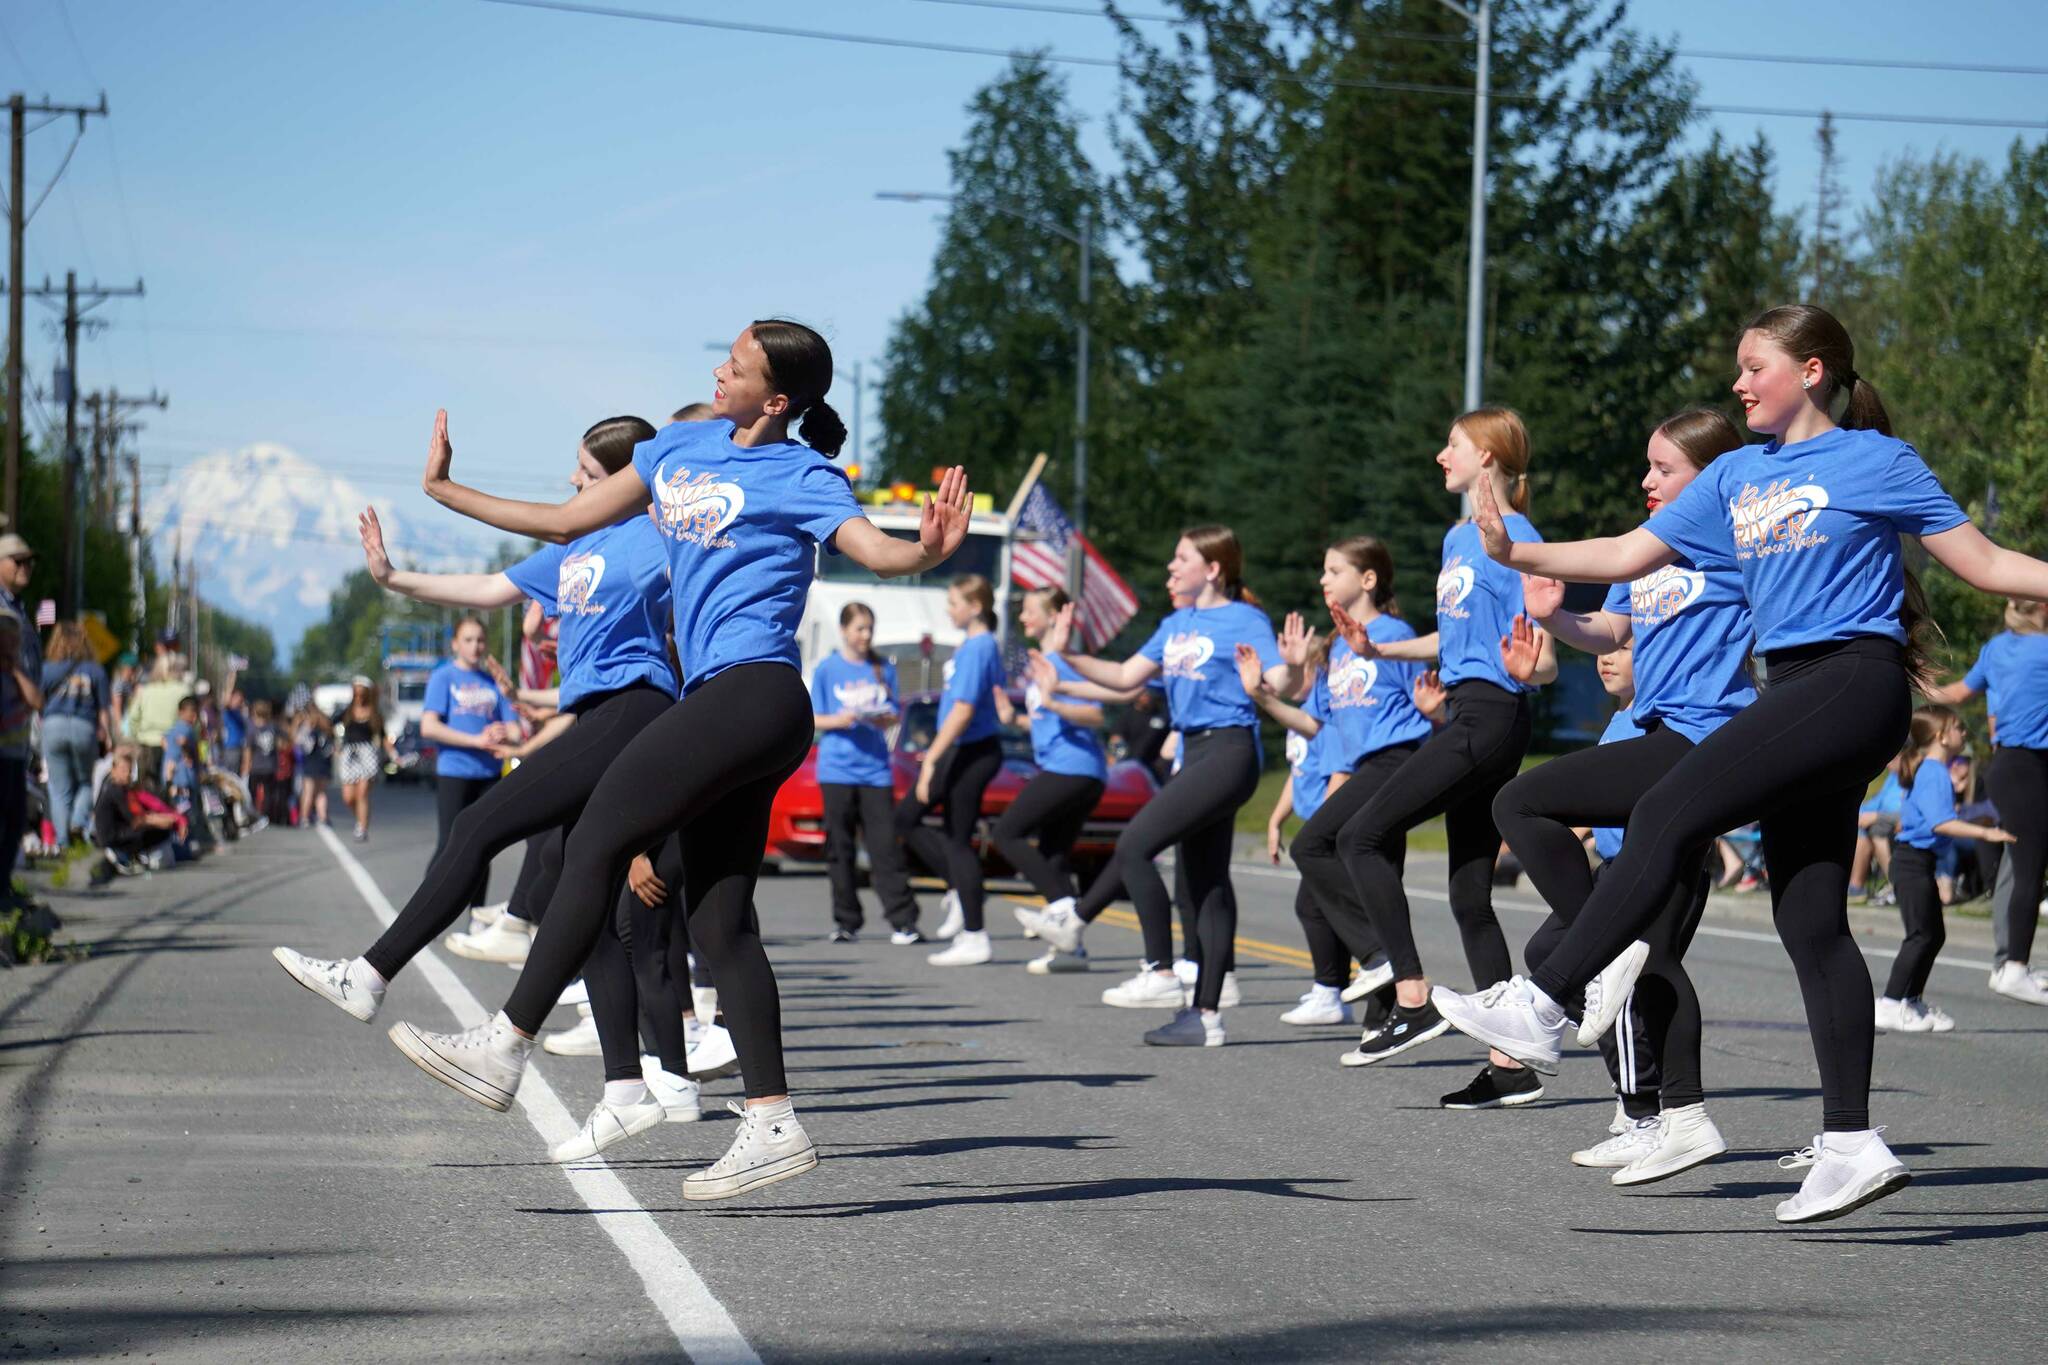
(796, 824)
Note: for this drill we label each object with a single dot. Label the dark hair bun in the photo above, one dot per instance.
(822, 430)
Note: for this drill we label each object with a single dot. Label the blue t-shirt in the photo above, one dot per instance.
(859, 755)
(1890, 797)
(1367, 705)
(1305, 758)
(1477, 601)
(739, 522)
(610, 591)
(181, 741)
(468, 701)
(76, 688)
(1057, 744)
(1196, 650)
(1930, 801)
(2012, 671)
(972, 675)
(1692, 634)
(1814, 529)
(1621, 725)
(234, 727)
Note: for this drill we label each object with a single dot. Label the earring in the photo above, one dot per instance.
(1806, 383)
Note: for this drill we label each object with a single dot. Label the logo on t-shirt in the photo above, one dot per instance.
(1351, 683)
(862, 697)
(1297, 751)
(1033, 699)
(1662, 595)
(473, 699)
(1776, 518)
(697, 508)
(576, 588)
(1186, 653)
(1453, 586)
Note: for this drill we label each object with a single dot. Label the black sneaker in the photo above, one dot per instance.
(1494, 1088)
(1378, 1008)
(844, 936)
(1405, 1029)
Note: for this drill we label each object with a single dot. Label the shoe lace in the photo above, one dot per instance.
(1498, 991)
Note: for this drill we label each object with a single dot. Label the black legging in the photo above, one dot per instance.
(707, 768)
(963, 773)
(629, 981)
(1798, 760)
(539, 870)
(546, 791)
(1328, 958)
(2019, 788)
(1600, 787)
(1335, 895)
(867, 812)
(1920, 909)
(1198, 811)
(1054, 806)
(453, 796)
(1455, 773)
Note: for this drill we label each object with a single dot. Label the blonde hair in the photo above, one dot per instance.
(1500, 433)
(980, 592)
(2026, 618)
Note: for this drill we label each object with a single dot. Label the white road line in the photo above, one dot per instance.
(701, 1325)
(1968, 964)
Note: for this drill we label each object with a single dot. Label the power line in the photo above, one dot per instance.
(1335, 82)
(1181, 21)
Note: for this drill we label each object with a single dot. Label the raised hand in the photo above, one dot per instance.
(440, 454)
(1250, 672)
(1429, 692)
(375, 558)
(1493, 530)
(1542, 597)
(1520, 649)
(1041, 672)
(1354, 634)
(1297, 641)
(943, 523)
(1060, 633)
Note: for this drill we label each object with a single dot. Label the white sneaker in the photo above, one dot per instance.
(1319, 1005)
(580, 1041)
(1607, 994)
(606, 1125)
(1848, 1171)
(970, 949)
(1639, 1139)
(1899, 1016)
(1057, 924)
(905, 938)
(507, 941)
(770, 1146)
(1056, 963)
(1188, 972)
(1147, 990)
(1619, 1124)
(1231, 996)
(336, 980)
(1685, 1138)
(1371, 977)
(484, 916)
(954, 919)
(2015, 982)
(577, 994)
(714, 1055)
(1506, 1015)
(704, 1002)
(484, 1063)
(1935, 1017)
(679, 1096)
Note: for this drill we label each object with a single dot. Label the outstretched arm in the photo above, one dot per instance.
(1969, 554)
(600, 505)
(1608, 559)
(479, 590)
(940, 530)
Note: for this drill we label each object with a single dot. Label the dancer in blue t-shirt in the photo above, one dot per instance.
(1812, 520)
(854, 706)
(743, 511)
(1194, 649)
(956, 767)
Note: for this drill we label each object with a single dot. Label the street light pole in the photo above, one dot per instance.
(1084, 238)
(1481, 19)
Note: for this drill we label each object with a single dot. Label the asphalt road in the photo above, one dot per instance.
(203, 1162)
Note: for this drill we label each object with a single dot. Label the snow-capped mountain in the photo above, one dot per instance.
(275, 534)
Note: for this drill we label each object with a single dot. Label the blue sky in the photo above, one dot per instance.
(350, 214)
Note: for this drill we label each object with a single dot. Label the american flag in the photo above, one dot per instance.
(537, 657)
(46, 612)
(1105, 603)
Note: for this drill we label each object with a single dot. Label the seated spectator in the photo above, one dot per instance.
(126, 838)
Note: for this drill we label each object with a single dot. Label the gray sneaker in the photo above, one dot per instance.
(485, 1063)
(770, 1146)
(1190, 1028)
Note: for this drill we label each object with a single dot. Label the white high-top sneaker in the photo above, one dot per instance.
(1057, 924)
(714, 1055)
(681, 1098)
(970, 948)
(1685, 1138)
(353, 989)
(1320, 1004)
(952, 918)
(1607, 994)
(2013, 981)
(580, 1041)
(1637, 1140)
(607, 1124)
(771, 1145)
(484, 1063)
(508, 940)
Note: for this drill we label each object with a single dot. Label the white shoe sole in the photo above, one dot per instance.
(572, 1150)
(1451, 1006)
(1056, 966)
(1636, 1173)
(1174, 1003)
(490, 1096)
(1368, 980)
(1590, 1162)
(463, 946)
(1626, 968)
(716, 1070)
(1318, 1020)
(1433, 1032)
(563, 1044)
(783, 1168)
(280, 955)
(1869, 1192)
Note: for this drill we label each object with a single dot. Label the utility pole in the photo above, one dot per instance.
(138, 600)
(71, 597)
(110, 424)
(1480, 17)
(18, 110)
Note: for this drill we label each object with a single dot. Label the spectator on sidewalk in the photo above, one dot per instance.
(182, 761)
(155, 710)
(20, 698)
(77, 725)
(126, 835)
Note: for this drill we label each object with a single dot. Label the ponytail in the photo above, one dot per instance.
(823, 431)
(800, 366)
(980, 592)
(1922, 634)
(1928, 723)
(1219, 546)
(1502, 433)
